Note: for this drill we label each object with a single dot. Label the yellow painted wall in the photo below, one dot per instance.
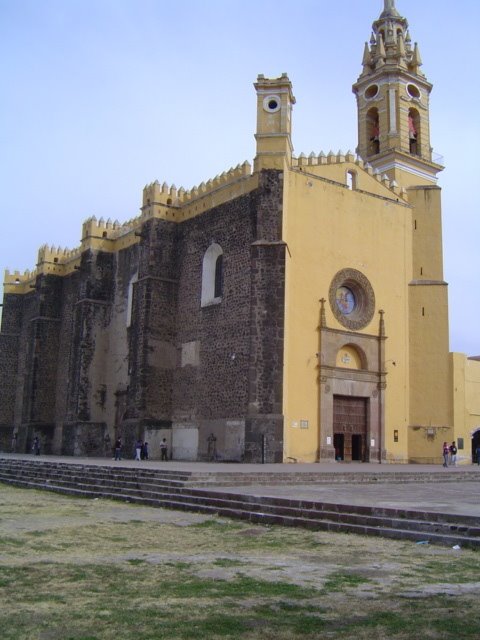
(328, 228)
(466, 401)
(431, 419)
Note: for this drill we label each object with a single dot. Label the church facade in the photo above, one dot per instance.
(295, 310)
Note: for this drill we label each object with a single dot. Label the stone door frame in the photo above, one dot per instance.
(367, 382)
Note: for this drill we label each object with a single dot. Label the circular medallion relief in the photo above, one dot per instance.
(352, 299)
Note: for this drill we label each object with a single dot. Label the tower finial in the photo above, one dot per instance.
(389, 8)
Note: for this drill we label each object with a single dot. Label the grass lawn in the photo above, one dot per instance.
(84, 569)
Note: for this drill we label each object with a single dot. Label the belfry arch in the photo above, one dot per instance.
(414, 131)
(373, 131)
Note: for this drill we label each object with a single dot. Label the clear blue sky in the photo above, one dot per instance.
(100, 97)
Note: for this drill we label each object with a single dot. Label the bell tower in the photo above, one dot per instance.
(274, 122)
(393, 97)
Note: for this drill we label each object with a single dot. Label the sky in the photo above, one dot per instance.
(100, 97)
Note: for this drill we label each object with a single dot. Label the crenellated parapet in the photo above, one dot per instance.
(349, 163)
(17, 282)
(156, 193)
(50, 260)
(169, 203)
(50, 255)
(93, 228)
(225, 179)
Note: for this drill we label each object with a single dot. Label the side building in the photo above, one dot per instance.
(295, 310)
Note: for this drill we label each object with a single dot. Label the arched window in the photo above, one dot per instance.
(351, 178)
(131, 284)
(218, 276)
(212, 275)
(373, 131)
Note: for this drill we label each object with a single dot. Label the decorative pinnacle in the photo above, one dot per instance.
(323, 317)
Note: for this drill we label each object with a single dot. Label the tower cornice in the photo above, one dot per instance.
(392, 74)
(395, 162)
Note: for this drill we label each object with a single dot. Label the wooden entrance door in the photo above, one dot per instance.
(350, 420)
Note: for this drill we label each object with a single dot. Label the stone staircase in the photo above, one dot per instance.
(195, 491)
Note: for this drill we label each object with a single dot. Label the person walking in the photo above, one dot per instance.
(445, 454)
(453, 454)
(138, 450)
(145, 451)
(478, 455)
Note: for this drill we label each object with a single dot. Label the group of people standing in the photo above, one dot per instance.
(140, 450)
(449, 454)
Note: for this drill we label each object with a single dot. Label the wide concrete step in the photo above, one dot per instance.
(47, 468)
(264, 517)
(100, 479)
(407, 525)
(160, 480)
(236, 478)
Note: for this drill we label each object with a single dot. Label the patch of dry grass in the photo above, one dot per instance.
(80, 569)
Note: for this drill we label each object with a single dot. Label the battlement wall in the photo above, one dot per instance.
(327, 165)
(174, 204)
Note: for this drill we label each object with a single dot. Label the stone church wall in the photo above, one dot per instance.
(210, 389)
(122, 345)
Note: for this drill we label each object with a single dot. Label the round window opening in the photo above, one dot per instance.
(352, 299)
(371, 91)
(413, 91)
(271, 104)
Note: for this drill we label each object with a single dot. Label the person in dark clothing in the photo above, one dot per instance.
(36, 446)
(118, 449)
(453, 454)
